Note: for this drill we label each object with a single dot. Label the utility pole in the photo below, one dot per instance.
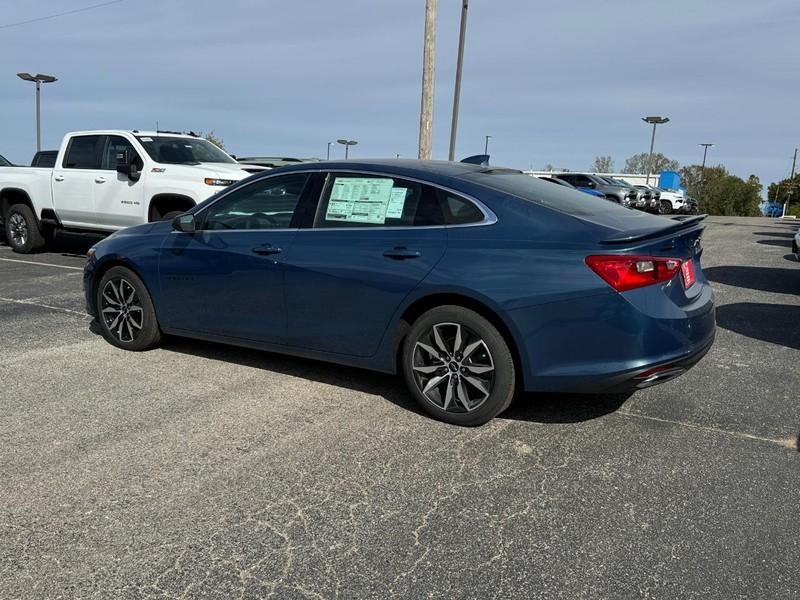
(703, 170)
(428, 74)
(457, 93)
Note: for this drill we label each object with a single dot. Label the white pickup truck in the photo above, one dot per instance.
(108, 180)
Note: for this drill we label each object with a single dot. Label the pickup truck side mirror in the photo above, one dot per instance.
(127, 166)
(591, 184)
(184, 223)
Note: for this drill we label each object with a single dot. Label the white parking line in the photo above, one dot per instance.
(41, 264)
(40, 305)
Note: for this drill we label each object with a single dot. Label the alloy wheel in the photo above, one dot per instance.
(453, 368)
(121, 310)
(18, 228)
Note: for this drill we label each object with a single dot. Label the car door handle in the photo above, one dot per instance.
(401, 253)
(99, 179)
(267, 250)
(59, 178)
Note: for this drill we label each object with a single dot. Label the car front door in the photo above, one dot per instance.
(74, 181)
(374, 239)
(226, 278)
(118, 199)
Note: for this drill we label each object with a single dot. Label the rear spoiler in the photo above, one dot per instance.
(679, 223)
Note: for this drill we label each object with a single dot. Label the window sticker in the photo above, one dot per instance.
(359, 200)
(397, 202)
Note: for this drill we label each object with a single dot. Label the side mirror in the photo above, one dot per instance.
(591, 184)
(127, 166)
(184, 223)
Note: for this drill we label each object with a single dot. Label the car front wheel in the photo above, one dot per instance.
(458, 366)
(665, 208)
(125, 311)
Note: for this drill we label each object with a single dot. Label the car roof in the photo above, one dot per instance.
(399, 166)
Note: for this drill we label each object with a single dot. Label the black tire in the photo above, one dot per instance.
(490, 364)
(665, 208)
(121, 325)
(22, 229)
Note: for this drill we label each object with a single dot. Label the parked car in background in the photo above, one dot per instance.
(561, 182)
(672, 201)
(363, 263)
(618, 193)
(4, 162)
(108, 180)
(45, 159)
(273, 162)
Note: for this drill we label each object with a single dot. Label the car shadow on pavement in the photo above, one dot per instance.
(774, 323)
(790, 257)
(766, 279)
(780, 234)
(787, 243)
(540, 408)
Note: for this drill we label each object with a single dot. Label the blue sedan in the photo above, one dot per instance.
(474, 282)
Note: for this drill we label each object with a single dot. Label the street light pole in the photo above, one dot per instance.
(486, 144)
(346, 144)
(654, 121)
(457, 93)
(703, 169)
(38, 79)
(329, 151)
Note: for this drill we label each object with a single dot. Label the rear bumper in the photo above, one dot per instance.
(613, 342)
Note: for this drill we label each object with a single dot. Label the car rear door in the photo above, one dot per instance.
(226, 278)
(374, 238)
(118, 199)
(74, 181)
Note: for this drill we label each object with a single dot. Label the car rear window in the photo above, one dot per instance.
(530, 188)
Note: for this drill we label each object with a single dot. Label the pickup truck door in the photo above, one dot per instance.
(117, 199)
(73, 181)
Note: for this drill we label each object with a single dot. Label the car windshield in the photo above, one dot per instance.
(182, 150)
(552, 196)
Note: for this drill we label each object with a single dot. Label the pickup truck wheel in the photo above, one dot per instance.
(665, 208)
(22, 230)
(125, 311)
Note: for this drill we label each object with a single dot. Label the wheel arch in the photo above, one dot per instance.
(105, 266)
(420, 305)
(161, 204)
(11, 196)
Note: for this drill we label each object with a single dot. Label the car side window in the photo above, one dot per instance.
(265, 204)
(582, 181)
(459, 211)
(366, 200)
(568, 178)
(116, 145)
(83, 152)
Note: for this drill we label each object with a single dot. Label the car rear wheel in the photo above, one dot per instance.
(665, 208)
(125, 311)
(458, 366)
(22, 230)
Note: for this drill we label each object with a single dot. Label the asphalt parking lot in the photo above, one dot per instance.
(199, 470)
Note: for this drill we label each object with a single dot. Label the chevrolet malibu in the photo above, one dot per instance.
(474, 282)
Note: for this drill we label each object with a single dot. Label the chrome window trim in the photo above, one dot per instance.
(489, 218)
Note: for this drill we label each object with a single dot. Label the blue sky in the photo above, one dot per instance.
(557, 82)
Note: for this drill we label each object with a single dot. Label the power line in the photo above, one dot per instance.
(61, 14)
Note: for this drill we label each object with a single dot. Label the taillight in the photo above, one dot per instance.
(623, 272)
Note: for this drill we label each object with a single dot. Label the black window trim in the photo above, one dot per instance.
(489, 217)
